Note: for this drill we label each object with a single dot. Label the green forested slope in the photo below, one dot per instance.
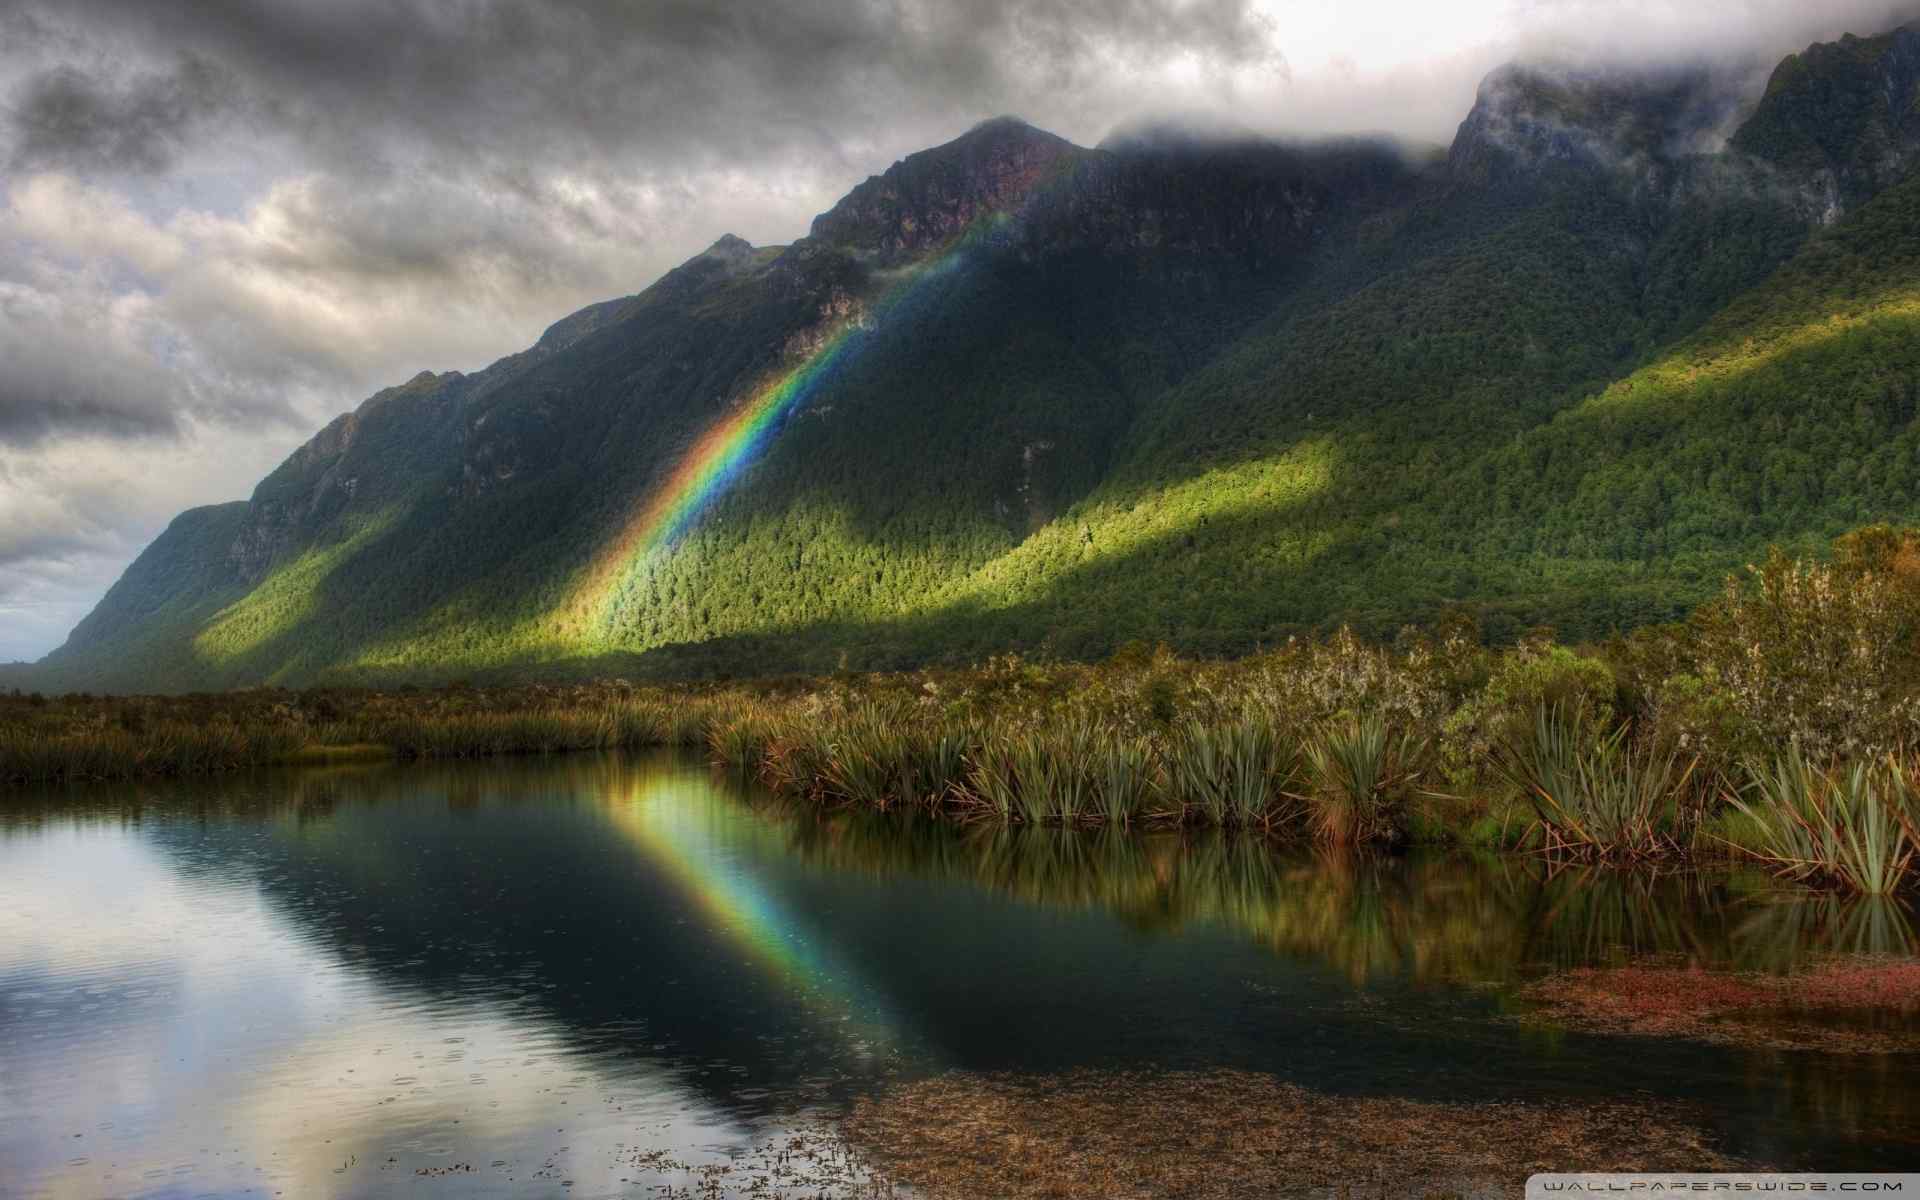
(1512, 482)
(1571, 373)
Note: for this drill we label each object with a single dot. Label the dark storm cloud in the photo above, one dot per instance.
(700, 81)
(112, 375)
(57, 384)
(526, 157)
(63, 116)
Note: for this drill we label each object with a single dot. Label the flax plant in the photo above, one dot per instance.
(1593, 793)
(1238, 773)
(1361, 772)
(1852, 825)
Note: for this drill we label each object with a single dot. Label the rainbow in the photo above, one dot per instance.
(718, 456)
(671, 817)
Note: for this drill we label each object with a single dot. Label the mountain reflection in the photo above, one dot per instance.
(1431, 917)
(404, 964)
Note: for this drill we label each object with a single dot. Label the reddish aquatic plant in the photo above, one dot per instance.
(1861, 985)
(1685, 1000)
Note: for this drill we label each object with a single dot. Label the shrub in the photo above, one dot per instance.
(1536, 674)
(1815, 655)
(1853, 825)
(1363, 773)
(1596, 794)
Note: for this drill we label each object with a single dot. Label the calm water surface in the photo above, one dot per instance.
(527, 974)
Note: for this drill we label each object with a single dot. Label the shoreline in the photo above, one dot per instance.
(1603, 755)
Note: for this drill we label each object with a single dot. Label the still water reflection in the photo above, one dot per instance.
(528, 974)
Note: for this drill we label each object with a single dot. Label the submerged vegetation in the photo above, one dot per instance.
(1778, 723)
(1675, 999)
(1234, 1133)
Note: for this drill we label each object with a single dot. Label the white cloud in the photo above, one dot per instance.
(74, 513)
(69, 218)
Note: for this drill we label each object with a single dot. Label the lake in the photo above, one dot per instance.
(611, 976)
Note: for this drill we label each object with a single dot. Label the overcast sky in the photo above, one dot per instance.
(222, 224)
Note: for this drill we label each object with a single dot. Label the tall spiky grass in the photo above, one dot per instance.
(684, 722)
(1239, 773)
(1594, 793)
(1124, 779)
(1068, 772)
(1362, 770)
(549, 729)
(793, 759)
(938, 764)
(483, 734)
(876, 754)
(739, 739)
(993, 779)
(1039, 775)
(1852, 825)
(161, 749)
(864, 753)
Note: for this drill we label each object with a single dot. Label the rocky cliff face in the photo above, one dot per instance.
(929, 198)
(1843, 117)
(1025, 190)
(278, 513)
(1527, 119)
(1834, 125)
(371, 456)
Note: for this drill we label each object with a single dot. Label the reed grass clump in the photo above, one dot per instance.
(481, 735)
(1125, 779)
(1363, 772)
(872, 753)
(866, 760)
(1241, 773)
(793, 759)
(1071, 772)
(1594, 793)
(169, 748)
(1037, 775)
(685, 723)
(549, 729)
(739, 739)
(1853, 824)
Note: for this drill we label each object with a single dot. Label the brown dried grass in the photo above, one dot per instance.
(1134, 1136)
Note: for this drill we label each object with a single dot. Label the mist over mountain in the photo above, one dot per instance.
(1190, 385)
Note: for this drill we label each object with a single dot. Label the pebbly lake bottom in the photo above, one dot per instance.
(633, 976)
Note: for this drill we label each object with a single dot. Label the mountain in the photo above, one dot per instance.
(1626, 330)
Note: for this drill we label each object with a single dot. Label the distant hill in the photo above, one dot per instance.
(1016, 393)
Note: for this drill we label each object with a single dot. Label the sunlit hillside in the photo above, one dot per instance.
(1016, 393)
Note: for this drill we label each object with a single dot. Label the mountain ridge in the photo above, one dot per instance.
(1020, 393)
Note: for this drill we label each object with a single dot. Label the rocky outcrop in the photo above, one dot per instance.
(1528, 119)
(1842, 118)
(926, 199)
(367, 456)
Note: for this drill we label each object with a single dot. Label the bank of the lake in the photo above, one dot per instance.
(634, 972)
(1778, 725)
